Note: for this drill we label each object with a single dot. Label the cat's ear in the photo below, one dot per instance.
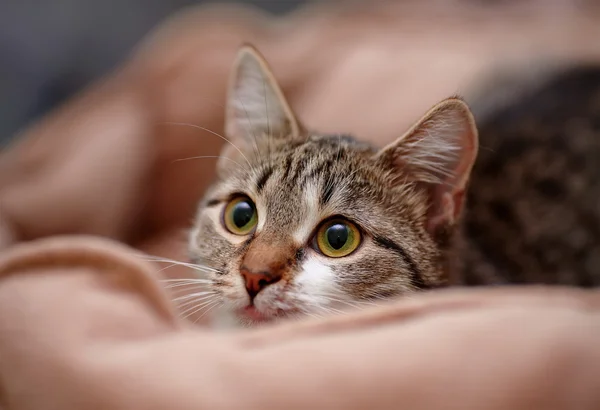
(438, 152)
(256, 106)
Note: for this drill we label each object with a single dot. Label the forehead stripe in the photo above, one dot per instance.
(263, 178)
(416, 278)
(299, 167)
(286, 167)
(212, 202)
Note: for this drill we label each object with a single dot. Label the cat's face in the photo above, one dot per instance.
(305, 224)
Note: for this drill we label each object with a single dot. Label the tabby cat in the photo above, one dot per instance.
(299, 223)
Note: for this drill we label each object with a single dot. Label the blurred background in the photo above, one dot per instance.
(50, 49)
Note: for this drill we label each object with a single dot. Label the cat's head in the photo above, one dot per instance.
(302, 223)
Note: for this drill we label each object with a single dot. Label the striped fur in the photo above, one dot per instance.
(533, 211)
(405, 198)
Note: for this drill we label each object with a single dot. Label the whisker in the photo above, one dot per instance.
(196, 301)
(330, 299)
(178, 263)
(209, 156)
(196, 308)
(193, 295)
(329, 310)
(201, 268)
(189, 283)
(214, 133)
(167, 267)
(311, 314)
(208, 310)
(182, 291)
(355, 304)
(171, 266)
(204, 305)
(195, 280)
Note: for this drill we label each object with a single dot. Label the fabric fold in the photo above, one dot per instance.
(85, 321)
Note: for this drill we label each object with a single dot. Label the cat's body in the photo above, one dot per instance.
(533, 205)
(300, 223)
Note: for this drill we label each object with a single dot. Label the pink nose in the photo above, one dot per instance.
(257, 281)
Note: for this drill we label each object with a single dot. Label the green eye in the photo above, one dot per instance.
(240, 216)
(338, 238)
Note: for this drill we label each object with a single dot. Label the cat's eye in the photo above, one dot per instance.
(239, 216)
(337, 238)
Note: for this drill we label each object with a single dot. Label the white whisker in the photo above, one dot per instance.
(214, 133)
(200, 268)
(193, 295)
(208, 310)
(329, 309)
(311, 314)
(354, 303)
(197, 307)
(195, 280)
(177, 283)
(178, 292)
(209, 156)
(195, 301)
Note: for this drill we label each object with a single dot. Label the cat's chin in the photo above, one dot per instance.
(245, 317)
(253, 315)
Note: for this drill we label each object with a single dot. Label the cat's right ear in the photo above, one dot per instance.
(256, 107)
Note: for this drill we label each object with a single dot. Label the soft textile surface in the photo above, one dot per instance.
(84, 322)
(84, 326)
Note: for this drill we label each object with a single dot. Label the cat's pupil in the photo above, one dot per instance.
(242, 214)
(337, 235)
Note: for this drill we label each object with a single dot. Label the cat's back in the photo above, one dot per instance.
(533, 208)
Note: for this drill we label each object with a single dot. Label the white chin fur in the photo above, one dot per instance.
(316, 289)
(224, 319)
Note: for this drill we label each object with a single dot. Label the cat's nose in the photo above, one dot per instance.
(257, 281)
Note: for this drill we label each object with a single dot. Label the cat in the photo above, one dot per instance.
(300, 224)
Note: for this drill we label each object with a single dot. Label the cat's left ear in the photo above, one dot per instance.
(256, 106)
(438, 152)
